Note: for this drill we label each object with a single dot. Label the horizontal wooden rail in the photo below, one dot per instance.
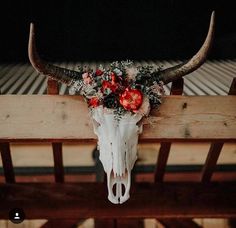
(65, 118)
(84, 200)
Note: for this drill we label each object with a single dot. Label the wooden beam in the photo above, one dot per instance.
(65, 118)
(148, 200)
(7, 162)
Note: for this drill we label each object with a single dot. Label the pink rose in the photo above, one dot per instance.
(86, 77)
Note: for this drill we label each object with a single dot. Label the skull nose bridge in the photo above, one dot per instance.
(118, 151)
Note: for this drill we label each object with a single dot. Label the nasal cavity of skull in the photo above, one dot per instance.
(118, 189)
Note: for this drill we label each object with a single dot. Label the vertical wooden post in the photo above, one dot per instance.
(53, 89)
(211, 161)
(215, 149)
(7, 162)
(232, 90)
(176, 89)
(162, 161)
(58, 162)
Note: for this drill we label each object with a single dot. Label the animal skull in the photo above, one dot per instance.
(117, 143)
(117, 140)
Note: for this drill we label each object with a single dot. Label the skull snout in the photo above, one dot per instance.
(118, 187)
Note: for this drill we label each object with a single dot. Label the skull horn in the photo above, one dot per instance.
(57, 73)
(180, 70)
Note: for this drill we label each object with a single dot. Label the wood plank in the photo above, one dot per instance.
(162, 161)
(65, 118)
(7, 162)
(210, 164)
(85, 200)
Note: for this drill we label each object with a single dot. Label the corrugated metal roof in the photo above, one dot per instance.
(213, 78)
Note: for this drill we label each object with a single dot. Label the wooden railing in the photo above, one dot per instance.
(58, 119)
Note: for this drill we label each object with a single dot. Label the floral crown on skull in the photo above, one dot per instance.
(122, 87)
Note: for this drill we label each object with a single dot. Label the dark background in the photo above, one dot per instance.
(101, 30)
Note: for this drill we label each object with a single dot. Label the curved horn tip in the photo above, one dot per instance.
(213, 13)
(213, 16)
(180, 70)
(31, 26)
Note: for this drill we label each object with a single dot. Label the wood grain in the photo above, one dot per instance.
(85, 200)
(66, 118)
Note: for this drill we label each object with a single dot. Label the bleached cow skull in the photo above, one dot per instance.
(117, 143)
(117, 140)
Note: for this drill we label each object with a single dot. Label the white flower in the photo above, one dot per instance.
(117, 71)
(75, 87)
(158, 89)
(131, 72)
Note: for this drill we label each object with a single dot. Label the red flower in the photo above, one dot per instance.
(109, 85)
(99, 72)
(93, 102)
(113, 77)
(131, 99)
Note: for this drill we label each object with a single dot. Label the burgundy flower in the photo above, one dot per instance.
(99, 72)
